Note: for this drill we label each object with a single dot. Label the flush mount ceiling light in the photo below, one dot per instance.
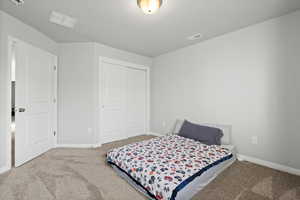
(149, 6)
(17, 2)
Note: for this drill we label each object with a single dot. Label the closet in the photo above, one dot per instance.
(123, 100)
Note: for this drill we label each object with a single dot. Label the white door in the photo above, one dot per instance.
(35, 102)
(136, 102)
(113, 103)
(123, 95)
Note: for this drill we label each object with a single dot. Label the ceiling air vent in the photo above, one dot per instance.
(18, 2)
(62, 19)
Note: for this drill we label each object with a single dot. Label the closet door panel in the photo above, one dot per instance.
(114, 105)
(136, 102)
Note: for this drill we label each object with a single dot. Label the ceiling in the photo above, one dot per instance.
(121, 24)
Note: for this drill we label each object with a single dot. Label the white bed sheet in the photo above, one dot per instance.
(197, 184)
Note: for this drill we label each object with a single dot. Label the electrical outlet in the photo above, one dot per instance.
(254, 140)
(164, 124)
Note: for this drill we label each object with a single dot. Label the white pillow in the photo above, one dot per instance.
(177, 127)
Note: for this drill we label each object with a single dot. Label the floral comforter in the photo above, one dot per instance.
(163, 166)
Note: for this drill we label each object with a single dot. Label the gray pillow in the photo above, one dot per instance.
(204, 134)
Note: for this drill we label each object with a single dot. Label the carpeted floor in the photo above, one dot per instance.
(82, 174)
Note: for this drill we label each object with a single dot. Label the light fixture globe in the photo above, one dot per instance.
(149, 6)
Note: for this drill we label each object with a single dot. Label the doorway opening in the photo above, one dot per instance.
(13, 102)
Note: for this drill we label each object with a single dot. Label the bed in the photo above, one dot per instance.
(171, 167)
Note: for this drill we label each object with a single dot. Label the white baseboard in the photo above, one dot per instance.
(82, 146)
(97, 145)
(155, 134)
(4, 169)
(269, 164)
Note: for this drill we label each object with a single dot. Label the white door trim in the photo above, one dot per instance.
(99, 81)
(12, 40)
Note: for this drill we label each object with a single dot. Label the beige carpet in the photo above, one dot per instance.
(82, 174)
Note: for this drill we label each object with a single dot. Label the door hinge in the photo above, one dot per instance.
(54, 133)
(54, 67)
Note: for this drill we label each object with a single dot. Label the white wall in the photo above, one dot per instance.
(78, 70)
(248, 79)
(15, 28)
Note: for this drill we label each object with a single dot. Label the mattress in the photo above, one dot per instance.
(193, 188)
(193, 179)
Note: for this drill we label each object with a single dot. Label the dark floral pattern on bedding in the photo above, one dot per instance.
(162, 163)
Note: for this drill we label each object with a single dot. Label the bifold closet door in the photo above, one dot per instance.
(136, 102)
(123, 102)
(114, 103)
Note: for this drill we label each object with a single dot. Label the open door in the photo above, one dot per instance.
(35, 103)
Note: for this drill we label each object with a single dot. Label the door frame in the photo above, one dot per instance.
(100, 91)
(11, 41)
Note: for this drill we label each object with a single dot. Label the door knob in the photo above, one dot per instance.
(22, 109)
